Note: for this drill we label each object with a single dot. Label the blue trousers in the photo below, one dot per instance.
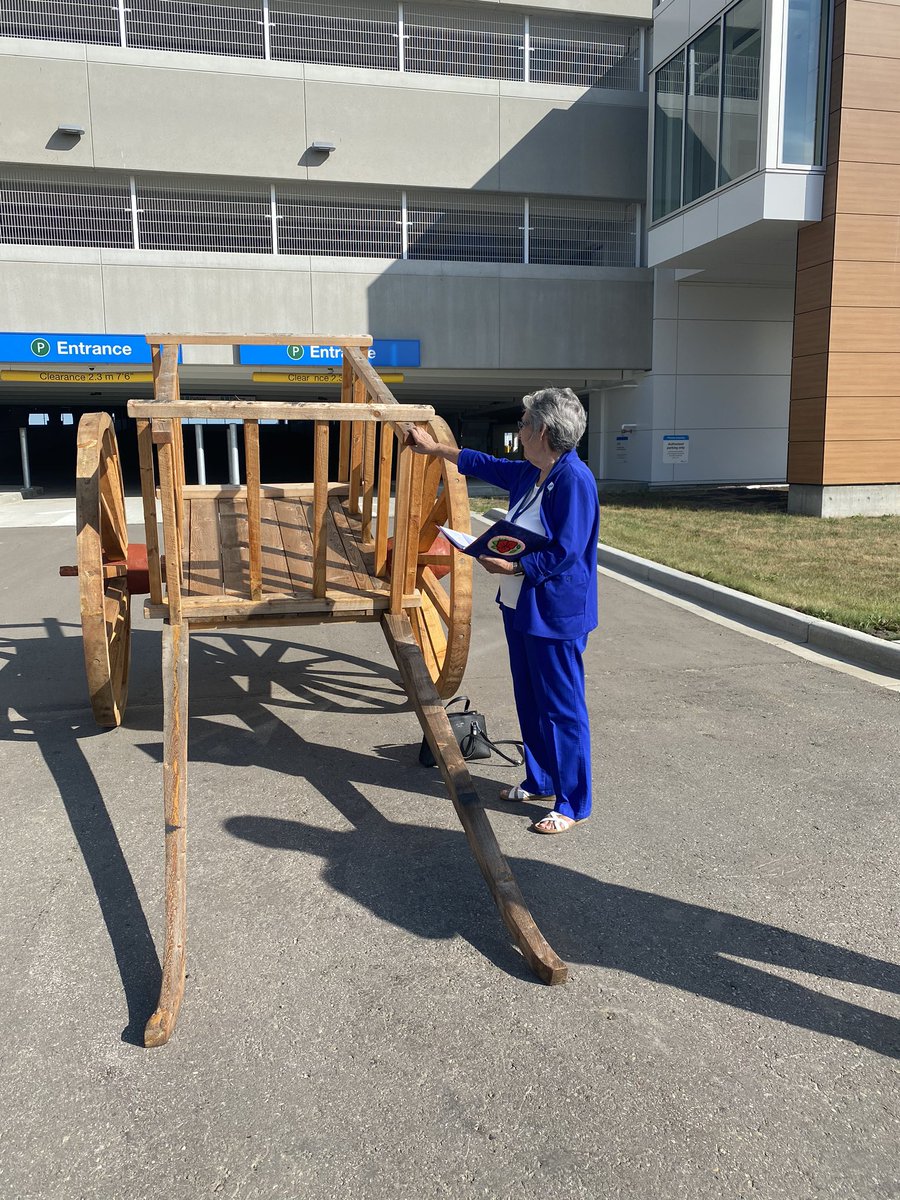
(548, 685)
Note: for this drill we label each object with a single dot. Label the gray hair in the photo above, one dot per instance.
(560, 412)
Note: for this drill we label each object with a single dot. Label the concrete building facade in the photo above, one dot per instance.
(474, 179)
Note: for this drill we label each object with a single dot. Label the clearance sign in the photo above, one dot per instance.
(76, 376)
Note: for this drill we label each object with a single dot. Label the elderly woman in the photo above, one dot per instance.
(548, 598)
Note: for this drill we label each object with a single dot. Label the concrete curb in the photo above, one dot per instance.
(819, 635)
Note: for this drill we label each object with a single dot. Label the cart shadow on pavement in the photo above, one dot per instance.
(417, 877)
(30, 668)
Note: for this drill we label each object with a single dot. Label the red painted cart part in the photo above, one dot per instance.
(440, 545)
(136, 570)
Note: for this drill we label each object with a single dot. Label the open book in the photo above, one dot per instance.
(504, 539)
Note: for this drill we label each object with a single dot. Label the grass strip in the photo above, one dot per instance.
(843, 570)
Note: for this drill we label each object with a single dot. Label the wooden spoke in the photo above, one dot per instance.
(443, 625)
(102, 540)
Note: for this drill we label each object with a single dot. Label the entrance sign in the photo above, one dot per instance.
(49, 376)
(675, 447)
(74, 348)
(384, 352)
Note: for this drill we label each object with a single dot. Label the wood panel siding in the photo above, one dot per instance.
(845, 380)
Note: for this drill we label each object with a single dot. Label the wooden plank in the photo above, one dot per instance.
(416, 502)
(806, 422)
(869, 83)
(275, 574)
(811, 332)
(351, 549)
(865, 238)
(869, 188)
(346, 398)
(813, 288)
(401, 527)
(285, 619)
(233, 543)
(510, 902)
(865, 329)
(808, 376)
(175, 663)
(270, 491)
(171, 535)
(204, 575)
(259, 339)
(297, 542)
(854, 374)
(861, 461)
(377, 389)
(368, 481)
(148, 499)
(251, 459)
(165, 385)
(863, 418)
(320, 510)
(213, 607)
(867, 284)
(385, 457)
(283, 410)
(359, 397)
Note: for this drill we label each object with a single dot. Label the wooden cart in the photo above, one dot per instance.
(282, 554)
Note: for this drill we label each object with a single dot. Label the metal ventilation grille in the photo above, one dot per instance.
(583, 233)
(347, 35)
(350, 222)
(460, 227)
(463, 41)
(65, 212)
(575, 53)
(61, 20)
(195, 28)
(175, 217)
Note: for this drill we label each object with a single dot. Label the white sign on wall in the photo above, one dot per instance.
(622, 447)
(675, 447)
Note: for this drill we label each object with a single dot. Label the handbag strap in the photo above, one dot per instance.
(476, 734)
(468, 703)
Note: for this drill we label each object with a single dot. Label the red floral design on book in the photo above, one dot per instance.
(506, 545)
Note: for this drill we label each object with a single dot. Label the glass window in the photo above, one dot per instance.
(667, 137)
(804, 83)
(740, 102)
(702, 112)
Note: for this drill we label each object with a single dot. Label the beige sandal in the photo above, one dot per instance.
(517, 793)
(555, 822)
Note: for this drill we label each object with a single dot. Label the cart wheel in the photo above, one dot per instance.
(102, 567)
(442, 625)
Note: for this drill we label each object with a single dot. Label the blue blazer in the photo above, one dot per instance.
(559, 591)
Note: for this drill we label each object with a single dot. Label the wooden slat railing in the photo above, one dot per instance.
(365, 461)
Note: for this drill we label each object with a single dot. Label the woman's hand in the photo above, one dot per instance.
(498, 566)
(421, 441)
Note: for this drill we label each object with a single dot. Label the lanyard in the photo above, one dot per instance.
(535, 494)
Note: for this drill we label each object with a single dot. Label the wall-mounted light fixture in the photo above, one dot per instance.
(75, 131)
(323, 147)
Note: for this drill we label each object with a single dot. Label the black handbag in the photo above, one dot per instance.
(470, 730)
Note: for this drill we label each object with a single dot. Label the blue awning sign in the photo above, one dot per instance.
(74, 348)
(384, 352)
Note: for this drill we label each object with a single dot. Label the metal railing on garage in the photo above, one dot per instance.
(454, 39)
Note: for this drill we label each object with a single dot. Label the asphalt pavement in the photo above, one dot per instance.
(356, 1023)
